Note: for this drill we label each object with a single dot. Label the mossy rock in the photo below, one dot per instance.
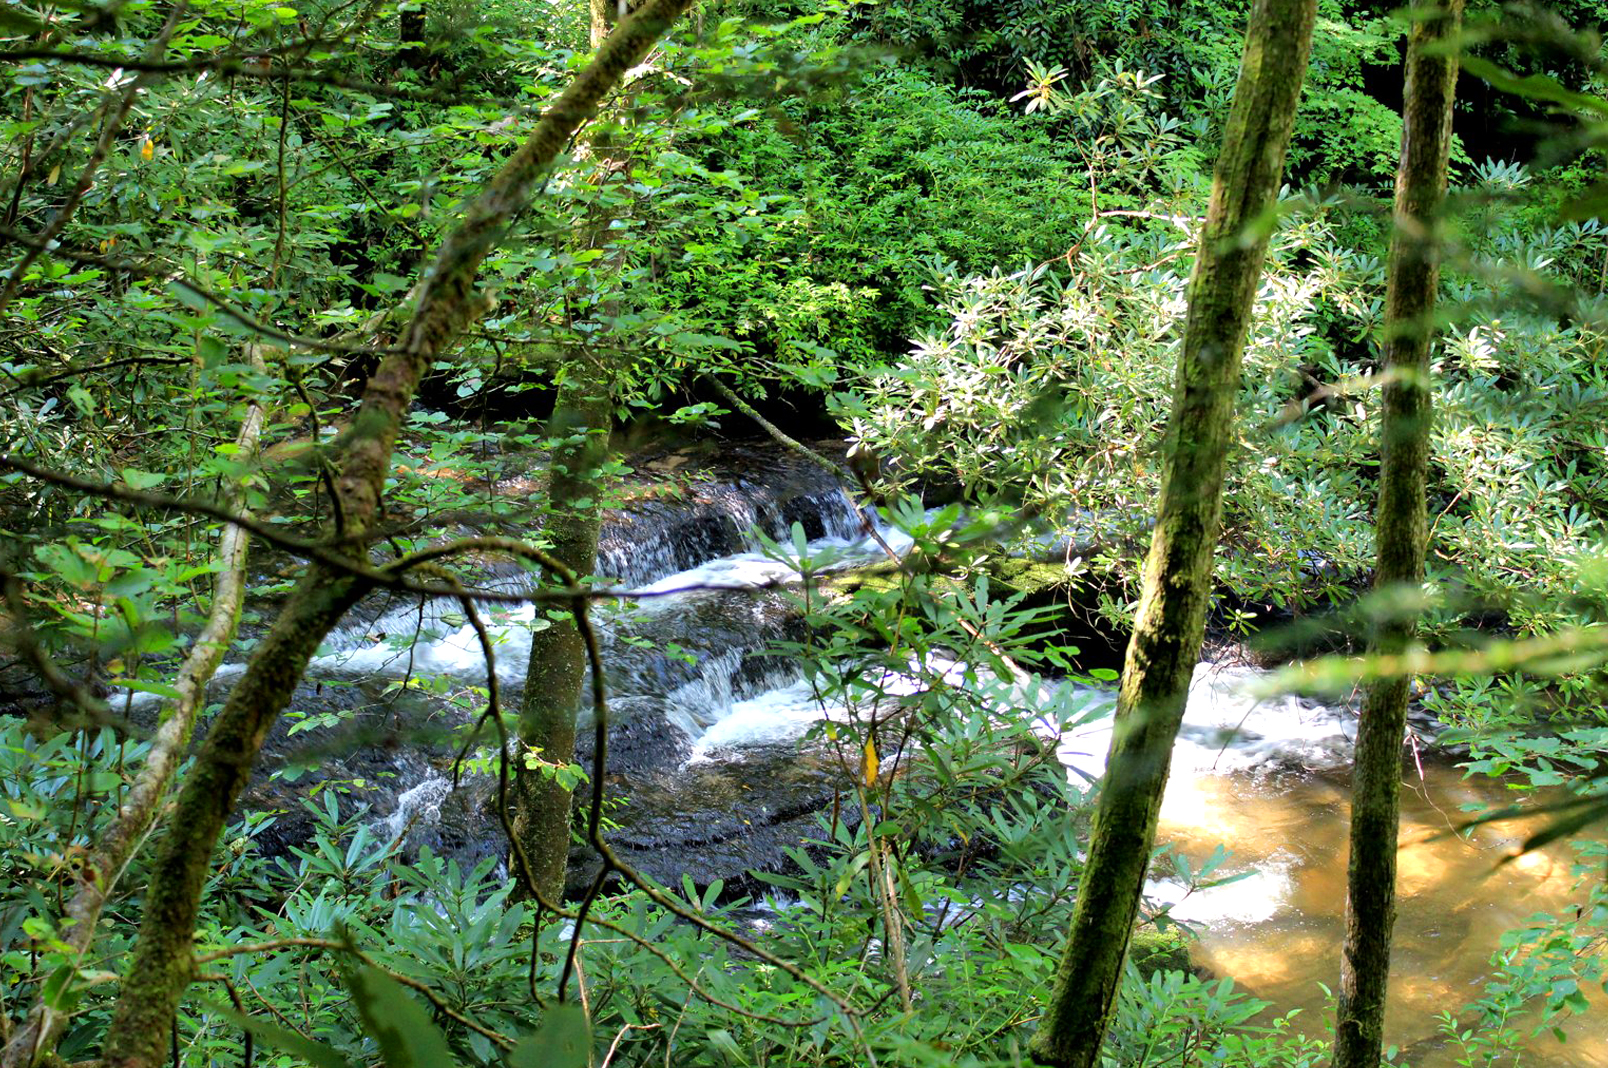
(1031, 577)
(1155, 951)
(880, 577)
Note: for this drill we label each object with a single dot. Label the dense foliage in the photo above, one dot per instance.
(958, 233)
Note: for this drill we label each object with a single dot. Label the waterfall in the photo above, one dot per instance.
(681, 661)
(660, 537)
(419, 804)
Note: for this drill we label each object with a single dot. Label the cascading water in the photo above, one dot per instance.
(705, 723)
(680, 660)
(721, 518)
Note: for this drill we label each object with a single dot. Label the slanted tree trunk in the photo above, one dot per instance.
(581, 420)
(35, 1041)
(1400, 526)
(1171, 620)
(162, 964)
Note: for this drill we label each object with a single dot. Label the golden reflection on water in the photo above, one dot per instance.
(1454, 901)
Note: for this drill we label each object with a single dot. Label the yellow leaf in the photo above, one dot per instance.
(55, 173)
(147, 148)
(869, 768)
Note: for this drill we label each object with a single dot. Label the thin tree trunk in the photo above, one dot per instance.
(37, 1038)
(581, 419)
(1400, 526)
(1167, 634)
(162, 964)
(410, 31)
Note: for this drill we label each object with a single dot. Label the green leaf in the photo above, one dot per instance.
(15, 22)
(131, 583)
(562, 1041)
(314, 1053)
(139, 480)
(722, 1040)
(72, 568)
(212, 352)
(399, 1025)
(59, 992)
(147, 685)
(1534, 86)
(908, 892)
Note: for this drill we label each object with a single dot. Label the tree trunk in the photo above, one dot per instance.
(162, 964)
(36, 1040)
(1400, 527)
(581, 419)
(1171, 619)
(583, 413)
(410, 31)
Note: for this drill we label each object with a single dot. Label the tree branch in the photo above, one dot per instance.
(162, 964)
(118, 844)
(103, 148)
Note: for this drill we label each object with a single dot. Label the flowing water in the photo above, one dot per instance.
(1278, 933)
(1267, 780)
(706, 722)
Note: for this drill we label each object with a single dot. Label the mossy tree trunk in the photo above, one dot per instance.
(553, 681)
(582, 417)
(1171, 619)
(162, 964)
(1400, 526)
(115, 847)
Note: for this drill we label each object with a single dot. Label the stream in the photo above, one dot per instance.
(704, 744)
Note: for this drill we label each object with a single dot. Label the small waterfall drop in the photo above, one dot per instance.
(418, 805)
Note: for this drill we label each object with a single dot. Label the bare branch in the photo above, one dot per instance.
(38, 378)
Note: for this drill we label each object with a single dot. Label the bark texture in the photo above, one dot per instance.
(162, 964)
(37, 1038)
(1400, 526)
(1171, 619)
(581, 419)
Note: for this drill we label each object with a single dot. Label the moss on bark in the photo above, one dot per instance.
(1400, 527)
(1172, 608)
(1153, 951)
(557, 670)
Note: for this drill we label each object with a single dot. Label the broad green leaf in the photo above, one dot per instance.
(562, 1041)
(16, 22)
(59, 991)
(399, 1025)
(137, 479)
(314, 1053)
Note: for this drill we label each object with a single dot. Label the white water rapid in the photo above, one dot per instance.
(697, 695)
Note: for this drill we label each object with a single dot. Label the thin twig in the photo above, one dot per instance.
(37, 378)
